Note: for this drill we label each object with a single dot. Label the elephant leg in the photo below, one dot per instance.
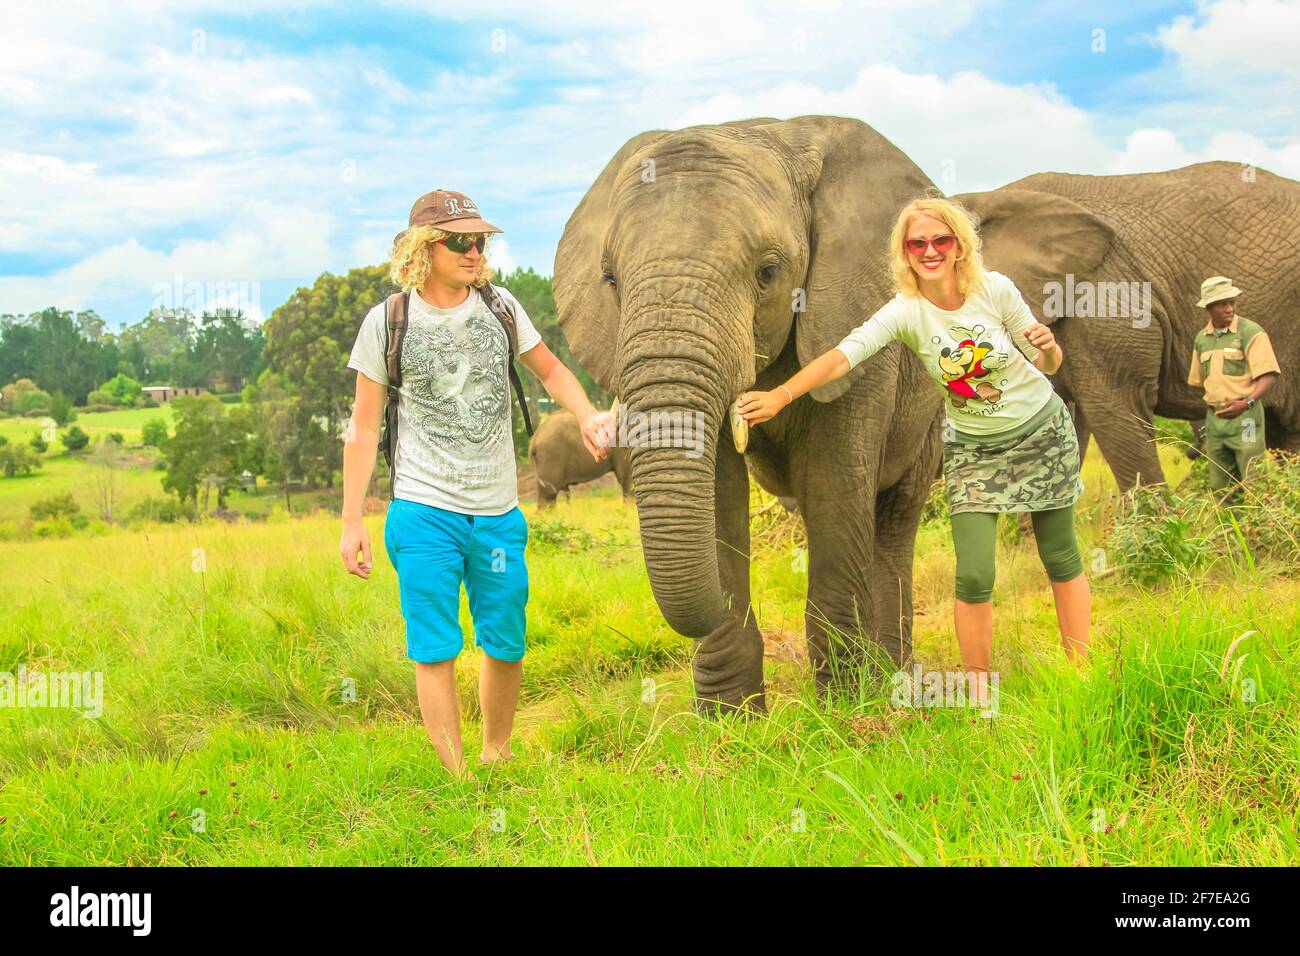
(728, 662)
(1082, 431)
(898, 514)
(545, 496)
(1125, 431)
(840, 618)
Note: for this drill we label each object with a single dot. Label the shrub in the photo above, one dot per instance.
(1157, 533)
(101, 397)
(17, 460)
(34, 402)
(61, 527)
(154, 432)
(1150, 537)
(167, 510)
(56, 506)
(39, 444)
(74, 439)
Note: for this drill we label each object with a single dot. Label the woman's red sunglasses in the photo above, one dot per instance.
(941, 245)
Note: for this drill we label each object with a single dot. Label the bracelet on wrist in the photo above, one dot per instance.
(789, 396)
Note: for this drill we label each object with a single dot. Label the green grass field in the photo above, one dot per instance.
(258, 708)
(63, 473)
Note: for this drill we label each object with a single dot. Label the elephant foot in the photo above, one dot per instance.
(747, 705)
(728, 670)
(857, 670)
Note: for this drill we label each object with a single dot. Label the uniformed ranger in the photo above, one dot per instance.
(1233, 361)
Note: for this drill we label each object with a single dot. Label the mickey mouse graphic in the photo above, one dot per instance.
(969, 361)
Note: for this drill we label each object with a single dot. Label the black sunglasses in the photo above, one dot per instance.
(460, 242)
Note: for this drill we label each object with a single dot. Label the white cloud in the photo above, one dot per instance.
(261, 243)
(966, 132)
(500, 257)
(1149, 150)
(1226, 36)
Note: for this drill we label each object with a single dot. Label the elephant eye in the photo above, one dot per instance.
(608, 278)
(767, 274)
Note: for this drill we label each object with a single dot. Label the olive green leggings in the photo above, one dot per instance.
(974, 537)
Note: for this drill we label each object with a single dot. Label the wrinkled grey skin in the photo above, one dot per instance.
(1172, 229)
(560, 460)
(662, 292)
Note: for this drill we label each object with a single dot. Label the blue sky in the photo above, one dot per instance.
(242, 148)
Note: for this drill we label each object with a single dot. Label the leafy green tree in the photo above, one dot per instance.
(154, 432)
(227, 351)
(123, 388)
(38, 443)
(208, 449)
(10, 394)
(308, 340)
(17, 459)
(32, 403)
(61, 408)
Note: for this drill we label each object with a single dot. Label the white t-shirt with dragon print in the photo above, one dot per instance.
(454, 449)
(989, 385)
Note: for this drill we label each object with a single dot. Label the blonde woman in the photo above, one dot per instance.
(1009, 443)
(454, 518)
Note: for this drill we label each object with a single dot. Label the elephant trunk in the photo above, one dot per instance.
(677, 381)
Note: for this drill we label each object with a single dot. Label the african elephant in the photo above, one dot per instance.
(1064, 238)
(560, 459)
(709, 260)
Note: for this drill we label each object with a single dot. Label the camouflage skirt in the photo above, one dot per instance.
(1034, 468)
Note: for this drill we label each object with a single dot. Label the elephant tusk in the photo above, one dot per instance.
(739, 428)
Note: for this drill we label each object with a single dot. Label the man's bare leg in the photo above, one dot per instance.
(435, 685)
(498, 697)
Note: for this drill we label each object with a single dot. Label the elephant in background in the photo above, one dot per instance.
(714, 259)
(560, 460)
(1056, 234)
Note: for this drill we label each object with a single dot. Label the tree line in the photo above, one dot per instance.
(296, 390)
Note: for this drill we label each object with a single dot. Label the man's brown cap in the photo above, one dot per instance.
(449, 211)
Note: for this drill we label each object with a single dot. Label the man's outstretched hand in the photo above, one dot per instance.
(598, 434)
(356, 539)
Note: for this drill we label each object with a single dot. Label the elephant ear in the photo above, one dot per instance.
(1036, 237)
(856, 182)
(586, 306)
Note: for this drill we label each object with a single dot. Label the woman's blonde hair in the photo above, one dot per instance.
(411, 258)
(970, 264)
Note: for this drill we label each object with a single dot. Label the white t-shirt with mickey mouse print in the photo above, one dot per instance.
(989, 385)
(455, 449)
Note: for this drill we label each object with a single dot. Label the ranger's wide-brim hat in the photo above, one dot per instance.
(1216, 289)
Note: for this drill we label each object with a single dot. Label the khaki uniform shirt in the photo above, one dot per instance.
(1226, 362)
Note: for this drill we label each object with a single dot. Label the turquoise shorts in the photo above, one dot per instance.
(434, 552)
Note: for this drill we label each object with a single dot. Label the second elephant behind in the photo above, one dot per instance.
(560, 460)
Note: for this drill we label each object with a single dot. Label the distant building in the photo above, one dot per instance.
(162, 394)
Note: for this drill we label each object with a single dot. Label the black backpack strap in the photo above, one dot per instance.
(396, 315)
(506, 316)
